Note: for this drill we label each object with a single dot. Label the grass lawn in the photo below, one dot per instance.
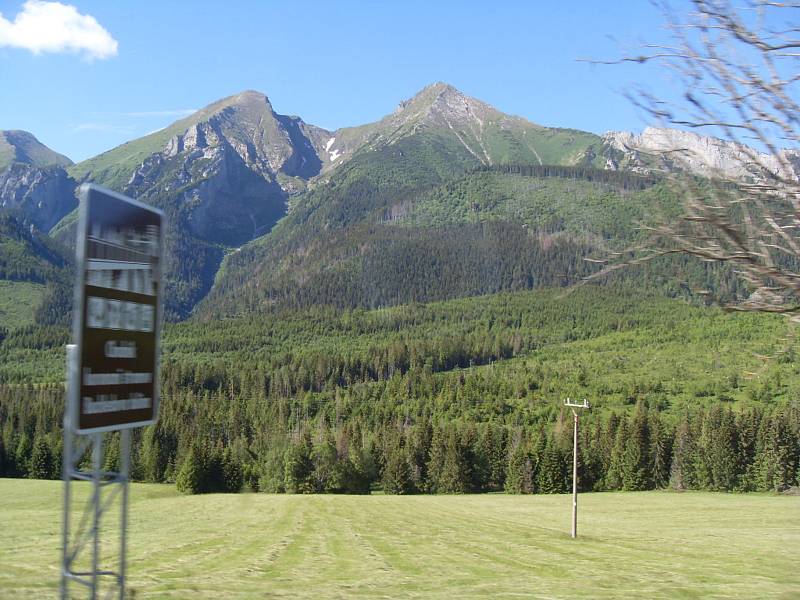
(643, 545)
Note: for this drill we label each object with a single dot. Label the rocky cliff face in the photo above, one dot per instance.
(43, 194)
(33, 180)
(672, 150)
(229, 174)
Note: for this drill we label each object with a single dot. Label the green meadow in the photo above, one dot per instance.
(630, 545)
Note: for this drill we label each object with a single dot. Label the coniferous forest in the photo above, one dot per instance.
(454, 397)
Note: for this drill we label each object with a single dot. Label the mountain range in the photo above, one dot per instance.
(266, 209)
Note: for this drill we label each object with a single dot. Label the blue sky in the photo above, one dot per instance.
(138, 66)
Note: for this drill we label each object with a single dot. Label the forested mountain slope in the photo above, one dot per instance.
(389, 228)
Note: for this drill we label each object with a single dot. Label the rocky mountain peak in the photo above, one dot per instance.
(444, 105)
(247, 124)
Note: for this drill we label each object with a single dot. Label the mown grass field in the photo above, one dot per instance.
(642, 545)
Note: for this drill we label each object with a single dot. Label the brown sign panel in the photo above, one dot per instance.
(117, 323)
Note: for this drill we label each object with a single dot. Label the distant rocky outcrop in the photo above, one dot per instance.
(33, 180)
(659, 148)
(43, 194)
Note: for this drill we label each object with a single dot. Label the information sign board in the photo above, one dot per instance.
(118, 314)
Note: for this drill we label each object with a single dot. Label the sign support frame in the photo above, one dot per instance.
(86, 536)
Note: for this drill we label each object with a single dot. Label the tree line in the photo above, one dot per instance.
(715, 449)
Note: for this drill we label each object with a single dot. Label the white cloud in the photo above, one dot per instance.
(55, 27)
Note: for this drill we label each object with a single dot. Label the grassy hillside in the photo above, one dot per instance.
(18, 302)
(35, 273)
(21, 146)
(633, 545)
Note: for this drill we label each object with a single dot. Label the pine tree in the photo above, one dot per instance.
(436, 459)
(41, 462)
(233, 475)
(112, 457)
(150, 456)
(775, 466)
(662, 451)
(454, 477)
(681, 472)
(298, 467)
(723, 454)
(636, 469)
(190, 475)
(551, 472)
(396, 476)
(519, 471)
(22, 455)
(614, 475)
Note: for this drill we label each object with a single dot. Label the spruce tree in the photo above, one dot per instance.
(233, 475)
(661, 448)
(776, 468)
(150, 456)
(519, 471)
(41, 462)
(22, 455)
(723, 454)
(681, 472)
(436, 459)
(396, 476)
(636, 469)
(418, 443)
(112, 457)
(747, 425)
(454, 477)
(190, 475)
(3, 460)
(298, 468)
(616, 470)
(551, 472)
(326, 476)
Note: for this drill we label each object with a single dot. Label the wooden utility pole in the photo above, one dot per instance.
(573, 406)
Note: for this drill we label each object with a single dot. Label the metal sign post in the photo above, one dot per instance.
(112, 370)
(573, 406)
